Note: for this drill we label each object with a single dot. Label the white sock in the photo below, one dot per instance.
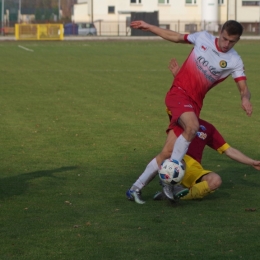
(148, 174)
(180, 148)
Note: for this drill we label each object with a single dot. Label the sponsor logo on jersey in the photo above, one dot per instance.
(202, 135)
(204, 66)
(223, 64)
(203, 128)
(215, 52)
(203, 48)
(188, 105)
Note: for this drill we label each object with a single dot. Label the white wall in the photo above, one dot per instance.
(177, 14)
(209, 14)
(80, 13)
(247, 13)
(175, 10)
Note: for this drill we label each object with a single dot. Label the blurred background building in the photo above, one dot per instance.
(112, 17)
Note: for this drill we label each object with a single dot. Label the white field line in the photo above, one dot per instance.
(22, 47)
(91, 70)
(97, 70)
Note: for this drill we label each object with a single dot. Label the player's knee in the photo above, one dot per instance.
(218, 181)
(215, 182)
(191, 130)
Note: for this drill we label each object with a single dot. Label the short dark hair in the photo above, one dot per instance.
(232, 27)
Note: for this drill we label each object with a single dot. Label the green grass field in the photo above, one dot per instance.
(80, 121)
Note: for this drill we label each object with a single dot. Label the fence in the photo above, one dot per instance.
(122, 28)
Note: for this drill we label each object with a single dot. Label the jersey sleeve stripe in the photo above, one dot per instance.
(240, 78)
(186, 38)
(223, 148)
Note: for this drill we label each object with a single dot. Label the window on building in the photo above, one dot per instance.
(190, 2)
(135, 1)
(165, 26)
(163, 1)
(221, 2)
(111, 9)
(191, 28)
(250, 3)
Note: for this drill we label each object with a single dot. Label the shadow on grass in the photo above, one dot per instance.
(16, 185)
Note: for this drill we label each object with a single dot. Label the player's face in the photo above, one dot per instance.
(226, 42)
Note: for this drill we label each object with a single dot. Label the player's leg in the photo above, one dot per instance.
(167, 148)
(204, 185)
(184, 112)
(134, 193)
(213, 179)
(193, 179)
(199, 181)
(198, 191)
(151, 170)
(172, 192)
(190, 124)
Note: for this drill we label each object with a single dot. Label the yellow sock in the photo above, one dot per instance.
(198, 191)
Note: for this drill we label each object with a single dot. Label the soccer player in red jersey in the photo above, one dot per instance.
(210, 62)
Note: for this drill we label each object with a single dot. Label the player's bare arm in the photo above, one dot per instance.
(164, 33)
(245, 97)
(238, 156)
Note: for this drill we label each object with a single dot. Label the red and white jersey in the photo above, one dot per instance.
(206, 66)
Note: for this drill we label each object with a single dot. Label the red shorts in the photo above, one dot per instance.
(177, 103)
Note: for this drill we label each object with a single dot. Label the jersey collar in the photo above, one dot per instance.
(216, 43)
